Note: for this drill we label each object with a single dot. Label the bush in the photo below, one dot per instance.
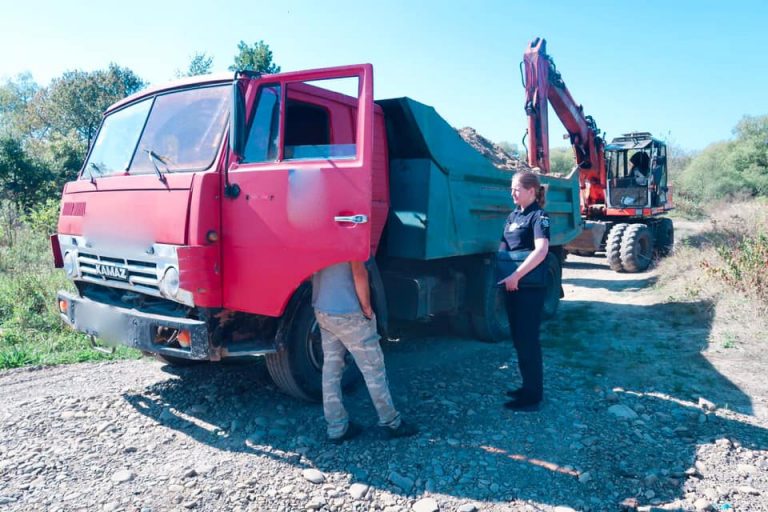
(43, 218)
(740, 242)
(727, 169)
(743, 265)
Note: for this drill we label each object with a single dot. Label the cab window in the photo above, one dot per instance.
(319, 124)
(263, 136)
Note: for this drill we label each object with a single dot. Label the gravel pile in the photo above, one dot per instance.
(491, 150)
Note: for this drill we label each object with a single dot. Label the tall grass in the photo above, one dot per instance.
(31, 332)
(726, 263)
(740, 238)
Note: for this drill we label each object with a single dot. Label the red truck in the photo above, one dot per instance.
(204, 207)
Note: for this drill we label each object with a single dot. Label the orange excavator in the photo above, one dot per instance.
(624, 184)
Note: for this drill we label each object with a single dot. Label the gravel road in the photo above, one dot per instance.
(639, 413)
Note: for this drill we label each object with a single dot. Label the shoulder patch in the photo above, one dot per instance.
(545, 222)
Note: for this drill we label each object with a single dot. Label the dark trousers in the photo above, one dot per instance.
(524, 309)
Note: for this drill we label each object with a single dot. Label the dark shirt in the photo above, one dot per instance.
(523, 227)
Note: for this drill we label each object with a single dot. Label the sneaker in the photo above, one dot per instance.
(353, 430)
(402, 430)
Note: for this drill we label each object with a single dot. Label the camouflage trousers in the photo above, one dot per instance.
(356, 334)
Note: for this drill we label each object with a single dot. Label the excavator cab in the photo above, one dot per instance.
(636, 171)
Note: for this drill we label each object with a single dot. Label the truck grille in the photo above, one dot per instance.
(121, 272)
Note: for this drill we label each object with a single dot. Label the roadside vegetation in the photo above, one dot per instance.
(725, 266)
(45, 133)
(31, 332)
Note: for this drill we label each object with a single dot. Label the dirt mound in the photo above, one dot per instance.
(491, 151)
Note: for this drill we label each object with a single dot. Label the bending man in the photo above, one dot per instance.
(342, 300)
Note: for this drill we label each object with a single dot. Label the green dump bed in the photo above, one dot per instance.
(446, 198)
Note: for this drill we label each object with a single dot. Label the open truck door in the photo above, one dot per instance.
(297, 193)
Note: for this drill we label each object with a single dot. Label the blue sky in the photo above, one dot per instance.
(683, 70)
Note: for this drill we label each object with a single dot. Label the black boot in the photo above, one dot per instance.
(523, 403)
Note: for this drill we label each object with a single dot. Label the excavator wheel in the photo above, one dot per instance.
(665, 239)
(636, 248)
(613, 247)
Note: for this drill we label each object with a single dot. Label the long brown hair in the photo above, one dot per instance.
(529, 180)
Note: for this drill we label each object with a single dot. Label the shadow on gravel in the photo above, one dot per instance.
(620, 420)
(613, 285)
(598, 263)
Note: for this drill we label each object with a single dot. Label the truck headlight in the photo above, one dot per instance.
(70, 264)
(169, 284)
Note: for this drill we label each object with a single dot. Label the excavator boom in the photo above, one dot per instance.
(545, 86)
(623, 185)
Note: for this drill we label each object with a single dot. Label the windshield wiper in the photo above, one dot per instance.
(90, 172)
(154, 158)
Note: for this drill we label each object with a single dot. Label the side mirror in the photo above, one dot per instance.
(236, 120)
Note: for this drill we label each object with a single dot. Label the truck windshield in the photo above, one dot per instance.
(181, 129)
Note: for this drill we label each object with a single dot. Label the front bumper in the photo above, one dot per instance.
(131, 328)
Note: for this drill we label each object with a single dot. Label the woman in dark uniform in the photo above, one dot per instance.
(527, 228)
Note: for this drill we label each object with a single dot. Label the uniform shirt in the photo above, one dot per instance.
(523, 226)
(333, 290)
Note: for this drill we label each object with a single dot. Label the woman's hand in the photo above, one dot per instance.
(511, 282)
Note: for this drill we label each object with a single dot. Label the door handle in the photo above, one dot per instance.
(354, 219)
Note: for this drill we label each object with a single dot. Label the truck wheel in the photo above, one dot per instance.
(636, 248)
(665, 240)
(460, 325)
(554, 286)
(490, 323)
(297, 367)
(613, 246)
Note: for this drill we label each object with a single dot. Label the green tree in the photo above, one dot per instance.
(732, 168)
(749, 154)
(76, 100)
(561, 160)
(62, 154)
(23, 182)
(511, 149)
(15, 96)
(200, 64)
(254, 58)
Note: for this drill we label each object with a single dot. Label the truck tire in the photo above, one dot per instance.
(613, 246)
(460, 324)
(489, 321)
(665, 239)
(554, 286)
(296, 368)
(636, 248)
